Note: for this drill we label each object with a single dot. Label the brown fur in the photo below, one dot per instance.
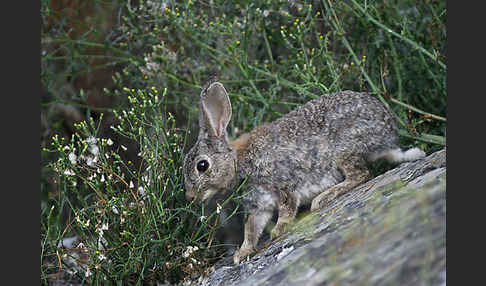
(241, 143)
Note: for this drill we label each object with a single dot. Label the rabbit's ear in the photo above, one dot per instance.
(216, 109)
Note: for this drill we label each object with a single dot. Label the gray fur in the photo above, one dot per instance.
(311, 155)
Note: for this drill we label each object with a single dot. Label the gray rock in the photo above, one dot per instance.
(388, 231)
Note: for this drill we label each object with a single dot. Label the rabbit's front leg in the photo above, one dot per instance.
(287, 210)
(355, 173)
(254, 226)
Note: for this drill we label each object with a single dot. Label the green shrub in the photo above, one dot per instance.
(134, 224)
(132, 218)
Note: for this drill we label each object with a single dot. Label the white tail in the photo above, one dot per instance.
(397, 155)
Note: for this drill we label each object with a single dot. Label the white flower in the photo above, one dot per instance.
(90, 178)
(69, 172)
(266, 13)
(91, 140)
(202, 218)
(88, 272)
(101, 257)
(218, 208)
(189, 251)
(114, 210)
(109, 142)
(131, 185)
(94, 150)
(68, 242)
(104, 226)
(91, 161)
(146, 179)
(123, 147)
(141, 190)
(102, 179)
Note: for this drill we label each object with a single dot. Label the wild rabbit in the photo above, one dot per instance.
(313, 154)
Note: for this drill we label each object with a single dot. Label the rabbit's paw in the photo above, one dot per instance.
(323, 200)
(241, 254)
(278, 230)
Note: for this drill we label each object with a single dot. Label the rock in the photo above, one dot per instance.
(388, 231)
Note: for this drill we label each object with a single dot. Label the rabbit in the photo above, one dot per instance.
(313, 154)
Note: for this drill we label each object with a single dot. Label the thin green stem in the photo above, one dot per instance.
(407, 40)
(426, 114)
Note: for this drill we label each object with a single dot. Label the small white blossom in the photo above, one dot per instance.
(91, 140)
(114, 210)
(101, 257)
(101, 243)
(102, 179)
(90, 161)
(202, 218)
(109, 142)
(141, 190)
(123, 147)
(88, 272)
(131, 185)
(69, 172)
(91, 178)
(94, 149)
(189, 251)
(218, 208)
(146, 179)
(104, 226)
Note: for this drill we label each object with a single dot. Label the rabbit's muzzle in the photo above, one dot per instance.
(201, 196)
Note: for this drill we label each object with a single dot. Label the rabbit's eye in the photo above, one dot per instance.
(202, 165)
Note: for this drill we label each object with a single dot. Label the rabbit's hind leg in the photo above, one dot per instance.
(355, 173)
(288, 204)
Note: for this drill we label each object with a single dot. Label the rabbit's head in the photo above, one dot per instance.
(209, 167)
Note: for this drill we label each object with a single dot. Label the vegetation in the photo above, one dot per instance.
(121, 81)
